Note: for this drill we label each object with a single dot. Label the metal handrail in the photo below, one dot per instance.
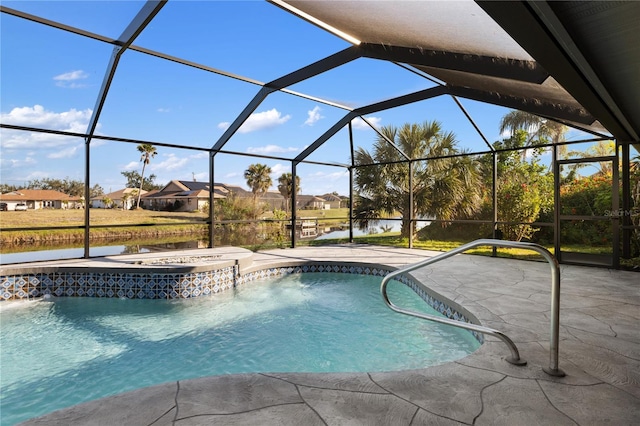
(553, 369)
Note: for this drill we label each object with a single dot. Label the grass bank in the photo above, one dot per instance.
(110, 224)
(393, 239)
(139, 227)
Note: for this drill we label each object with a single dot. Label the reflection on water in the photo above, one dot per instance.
(75, 253)
(375, 227)
(243, 234)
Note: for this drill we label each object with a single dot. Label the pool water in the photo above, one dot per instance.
(58, 353)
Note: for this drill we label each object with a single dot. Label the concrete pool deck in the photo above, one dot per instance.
(599, 352)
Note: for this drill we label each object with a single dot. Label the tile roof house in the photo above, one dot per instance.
(182, 195)
(273, 199)
(124, 199)
(40, 199)
(310, 202)
(333, 201)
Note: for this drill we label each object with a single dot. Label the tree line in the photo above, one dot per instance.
(74, 188)
(454, 185)
(450, 185)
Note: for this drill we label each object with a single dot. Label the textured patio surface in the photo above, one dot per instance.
(599, 352)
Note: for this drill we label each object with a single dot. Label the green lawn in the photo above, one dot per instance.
(132, 219)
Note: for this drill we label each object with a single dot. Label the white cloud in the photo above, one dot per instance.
(271, 149)
(199, 155)
(37, 174)
(65, 153)
(328, 176)
(279, 169)
(259, 121)
(233, 175)
(133, 165)
(69, 121)
(16, 163)
(263, 120)
(313, 116)
(201, 177)
(170, 167)
(36, 116)
(172, 162)
(359, 123)
(163, 110)
(70, 79)
(70, 76)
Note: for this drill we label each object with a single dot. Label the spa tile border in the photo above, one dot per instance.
(117, 284)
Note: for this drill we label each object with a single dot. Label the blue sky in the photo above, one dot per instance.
(51, 79)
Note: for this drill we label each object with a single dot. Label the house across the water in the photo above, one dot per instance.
(35, 199)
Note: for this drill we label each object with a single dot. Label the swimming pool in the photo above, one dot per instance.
(69, 350)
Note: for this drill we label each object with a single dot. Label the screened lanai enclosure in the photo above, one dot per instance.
(279, 123)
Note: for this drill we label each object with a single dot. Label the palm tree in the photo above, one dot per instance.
(148, 151)
(603, 149)
(125, 200)
(285, 186)
(106, 202)
(444, 188)
(539, 129)
(258, 178)
(133, 194)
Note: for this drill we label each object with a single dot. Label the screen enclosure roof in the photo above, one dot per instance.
(577, 62)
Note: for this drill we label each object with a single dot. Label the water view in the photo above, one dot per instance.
(51, 253)
(54, 252)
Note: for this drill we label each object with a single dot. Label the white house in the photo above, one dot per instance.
(39, 199)
(123, 199)
(182, 196)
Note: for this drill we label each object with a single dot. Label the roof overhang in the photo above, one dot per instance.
(574, 62)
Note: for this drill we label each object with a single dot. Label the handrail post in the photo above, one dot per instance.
(553, 369)
(554, 342)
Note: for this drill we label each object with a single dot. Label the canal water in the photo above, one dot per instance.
(52, 253)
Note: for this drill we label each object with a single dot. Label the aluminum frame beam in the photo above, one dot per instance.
(511, 69)
(473, 123)
(133, 30)
(344, 56)
(58, 25)
(379, 106)
(318, 67)
(244, 115)
(536, 106)
(546, 14)
(389, 141)
(537, 29)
